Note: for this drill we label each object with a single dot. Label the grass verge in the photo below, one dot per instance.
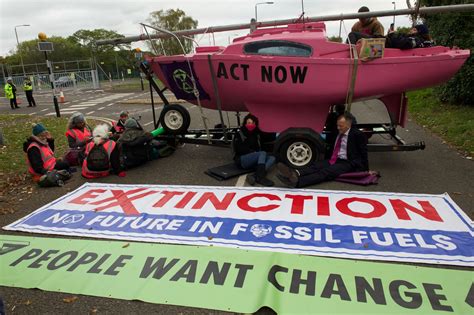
(454, 124)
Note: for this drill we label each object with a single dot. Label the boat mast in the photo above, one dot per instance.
(334, 17)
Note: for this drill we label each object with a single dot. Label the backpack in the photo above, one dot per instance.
(98, 159)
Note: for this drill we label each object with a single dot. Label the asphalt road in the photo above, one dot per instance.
(437, 169)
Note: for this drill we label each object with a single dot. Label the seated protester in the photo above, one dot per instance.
(102, 154)
(331, 125)
(365, 28)
(249, 153)
(119, 127)
(417, 37)
(136, 144)
(39, 149)
(78, 134)
(349, 155)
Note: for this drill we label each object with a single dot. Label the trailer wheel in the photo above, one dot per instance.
(298, 147)
(175, 119)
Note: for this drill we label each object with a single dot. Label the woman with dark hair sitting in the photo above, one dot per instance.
(249, 153)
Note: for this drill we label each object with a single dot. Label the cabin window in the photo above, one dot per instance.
(278, 48)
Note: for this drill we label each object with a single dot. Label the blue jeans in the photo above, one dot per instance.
(251, 160)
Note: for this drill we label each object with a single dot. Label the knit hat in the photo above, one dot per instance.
(131, 123)
(422, 29)
(38, 129)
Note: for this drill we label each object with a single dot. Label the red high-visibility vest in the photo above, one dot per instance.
(47, 156)
(109, 146)
(79, 135)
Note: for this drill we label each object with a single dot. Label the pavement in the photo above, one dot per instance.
(437, 169)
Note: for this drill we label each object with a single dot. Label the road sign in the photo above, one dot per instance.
(45, 46)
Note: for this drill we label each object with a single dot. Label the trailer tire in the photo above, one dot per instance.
(175, 119)
(299, 147)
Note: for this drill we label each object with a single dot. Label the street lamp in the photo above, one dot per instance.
(268, 2)
(18, 46)
(394, 8)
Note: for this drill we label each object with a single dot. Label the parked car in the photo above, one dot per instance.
(63, 82)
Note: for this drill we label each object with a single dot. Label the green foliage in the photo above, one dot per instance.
(336, 39)
(454, 29)
(403, 29)
(453, 123)
(172, 20)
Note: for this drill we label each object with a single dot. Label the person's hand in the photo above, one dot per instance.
(122, 174)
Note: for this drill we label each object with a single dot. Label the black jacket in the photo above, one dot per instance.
(34, 154)
(404, 41)
(136, 146)
(246, 142)
(357, 150)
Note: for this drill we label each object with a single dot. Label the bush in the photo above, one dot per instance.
(454, 29)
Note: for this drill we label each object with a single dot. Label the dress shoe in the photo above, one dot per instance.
(287, 175)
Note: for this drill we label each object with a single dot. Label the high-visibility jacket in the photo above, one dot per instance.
(27, 86)
(79, 135)
(9, 91)
(109, 147)
(47, 156)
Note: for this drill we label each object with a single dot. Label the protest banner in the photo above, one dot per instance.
(230, 279)
(363, 225)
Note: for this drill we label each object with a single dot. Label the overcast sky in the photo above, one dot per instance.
(63, 18)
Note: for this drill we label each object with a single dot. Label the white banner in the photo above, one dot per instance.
(362, 225)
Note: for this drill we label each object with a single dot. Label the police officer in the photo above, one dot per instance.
(28, 88)
(10, 93)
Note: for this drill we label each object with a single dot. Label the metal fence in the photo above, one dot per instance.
(87, 79)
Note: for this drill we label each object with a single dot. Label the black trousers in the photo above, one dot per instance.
(13, 103)
(61, 165)
(322, 171)
(29, 97)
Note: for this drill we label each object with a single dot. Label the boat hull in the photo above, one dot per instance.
(297, 92)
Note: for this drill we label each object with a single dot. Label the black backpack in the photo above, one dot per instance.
(98, 159)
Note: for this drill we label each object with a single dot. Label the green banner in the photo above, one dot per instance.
(230, 279)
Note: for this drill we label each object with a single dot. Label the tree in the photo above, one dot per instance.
(454, 29)
(172, 20)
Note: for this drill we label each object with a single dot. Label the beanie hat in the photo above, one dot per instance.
(131, 123)
(363, 9)
(38, 129)
(123, 113)
(422, 29)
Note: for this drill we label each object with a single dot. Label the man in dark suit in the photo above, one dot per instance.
(349, 155)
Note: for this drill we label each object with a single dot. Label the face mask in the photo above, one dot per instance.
(250, 127)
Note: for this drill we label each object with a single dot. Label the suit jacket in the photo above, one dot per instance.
(357, 150)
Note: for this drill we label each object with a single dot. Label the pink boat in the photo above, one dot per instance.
(290, 76)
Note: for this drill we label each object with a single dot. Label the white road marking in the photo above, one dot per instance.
(101, 108)
(75, 108)
(148, 123)
(109, 105)
(241, 181)
(44, 110)
(193, 106)
(90, 112)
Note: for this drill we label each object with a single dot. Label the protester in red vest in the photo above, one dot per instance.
(101, 155)
(78, 135)
(39, 149)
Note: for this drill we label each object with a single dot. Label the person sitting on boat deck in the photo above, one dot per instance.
(417, 37)
(249, 153)
(349, 155)
(39, 149)
(365, 28)
(102, 155)
(330, 126)
(136, 144)
(78, 134)
(119, 127)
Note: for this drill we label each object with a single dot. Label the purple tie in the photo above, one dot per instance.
(337, 147)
